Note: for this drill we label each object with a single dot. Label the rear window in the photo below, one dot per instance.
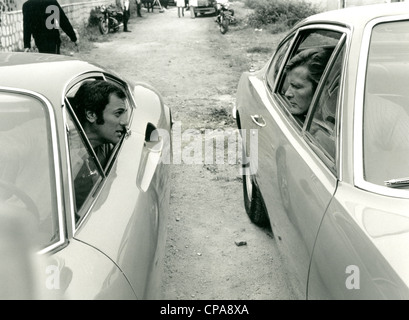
(386, 104)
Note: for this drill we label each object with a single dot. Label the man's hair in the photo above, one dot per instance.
(94, 96)
(315, 60)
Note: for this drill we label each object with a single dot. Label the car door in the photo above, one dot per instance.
(296, 180)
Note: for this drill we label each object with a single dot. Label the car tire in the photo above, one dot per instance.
(253, 200)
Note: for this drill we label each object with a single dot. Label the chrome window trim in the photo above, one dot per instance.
(290, 38)
(358, 159)
(69, 84)
(56, 161)
(343, 44)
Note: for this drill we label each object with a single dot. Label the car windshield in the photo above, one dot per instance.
(386, 106)
(27, 182)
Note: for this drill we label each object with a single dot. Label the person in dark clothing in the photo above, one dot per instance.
(138, 8)
(43, 20)
(127, 13)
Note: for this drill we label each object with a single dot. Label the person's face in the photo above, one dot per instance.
(300, 90)
(116, 119)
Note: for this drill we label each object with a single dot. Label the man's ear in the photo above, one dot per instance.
(91, 116)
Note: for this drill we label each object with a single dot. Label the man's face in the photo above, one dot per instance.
(116, 119)
(300, 90)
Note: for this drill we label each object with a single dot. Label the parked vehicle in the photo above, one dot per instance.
(225, 15)
(332, 185)
(111, 246)
(205, 7)
(111, 19)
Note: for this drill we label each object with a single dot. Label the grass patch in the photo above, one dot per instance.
(221, 114)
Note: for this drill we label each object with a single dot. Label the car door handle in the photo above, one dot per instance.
(258, 120)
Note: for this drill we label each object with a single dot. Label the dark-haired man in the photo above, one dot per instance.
(103, 113)
(43, 20)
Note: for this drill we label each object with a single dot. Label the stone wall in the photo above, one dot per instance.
(11, 23)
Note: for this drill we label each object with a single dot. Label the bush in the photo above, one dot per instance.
(94, 17)
(282, 13)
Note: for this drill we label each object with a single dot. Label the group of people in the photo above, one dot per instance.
(43, 19)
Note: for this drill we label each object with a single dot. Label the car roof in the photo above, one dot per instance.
(45, 74)
(359, 16)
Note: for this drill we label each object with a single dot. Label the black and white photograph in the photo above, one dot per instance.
(205, 155)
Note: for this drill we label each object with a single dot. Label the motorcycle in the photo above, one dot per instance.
(225, 16)
(111, 19)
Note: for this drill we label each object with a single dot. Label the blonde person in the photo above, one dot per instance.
(181, 7)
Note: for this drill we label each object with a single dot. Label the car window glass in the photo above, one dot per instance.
(277, 62)
(324, 117)
(298, 82)
(84, 167)
(27, 172)
(386, 107)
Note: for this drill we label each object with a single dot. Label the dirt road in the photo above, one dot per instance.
(190, 64)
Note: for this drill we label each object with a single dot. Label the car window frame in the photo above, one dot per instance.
(51, 117)
(319, 150)
(345, 39)
(289, 39)
(358, 148)
(300, 35)
(90, 201)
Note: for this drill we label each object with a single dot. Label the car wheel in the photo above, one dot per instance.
(253, 200)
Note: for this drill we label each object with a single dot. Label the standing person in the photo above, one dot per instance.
(138, 8)
(192, 6)
(42, 19)
(127, 13)
(187, 5)
(181, 7)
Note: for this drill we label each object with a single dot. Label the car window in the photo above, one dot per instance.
(386, 104)
(322, 128)
(277, 62)
(27, 173)
(85, 169)
(304, 68)
(89, 166)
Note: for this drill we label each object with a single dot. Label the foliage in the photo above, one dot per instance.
(282, 14)
(94, 17)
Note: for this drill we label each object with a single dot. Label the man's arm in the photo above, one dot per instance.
(27, 25)
(65, 25)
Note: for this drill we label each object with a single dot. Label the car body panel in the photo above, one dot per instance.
(339, 240)
(117, 249)
(84, 274)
